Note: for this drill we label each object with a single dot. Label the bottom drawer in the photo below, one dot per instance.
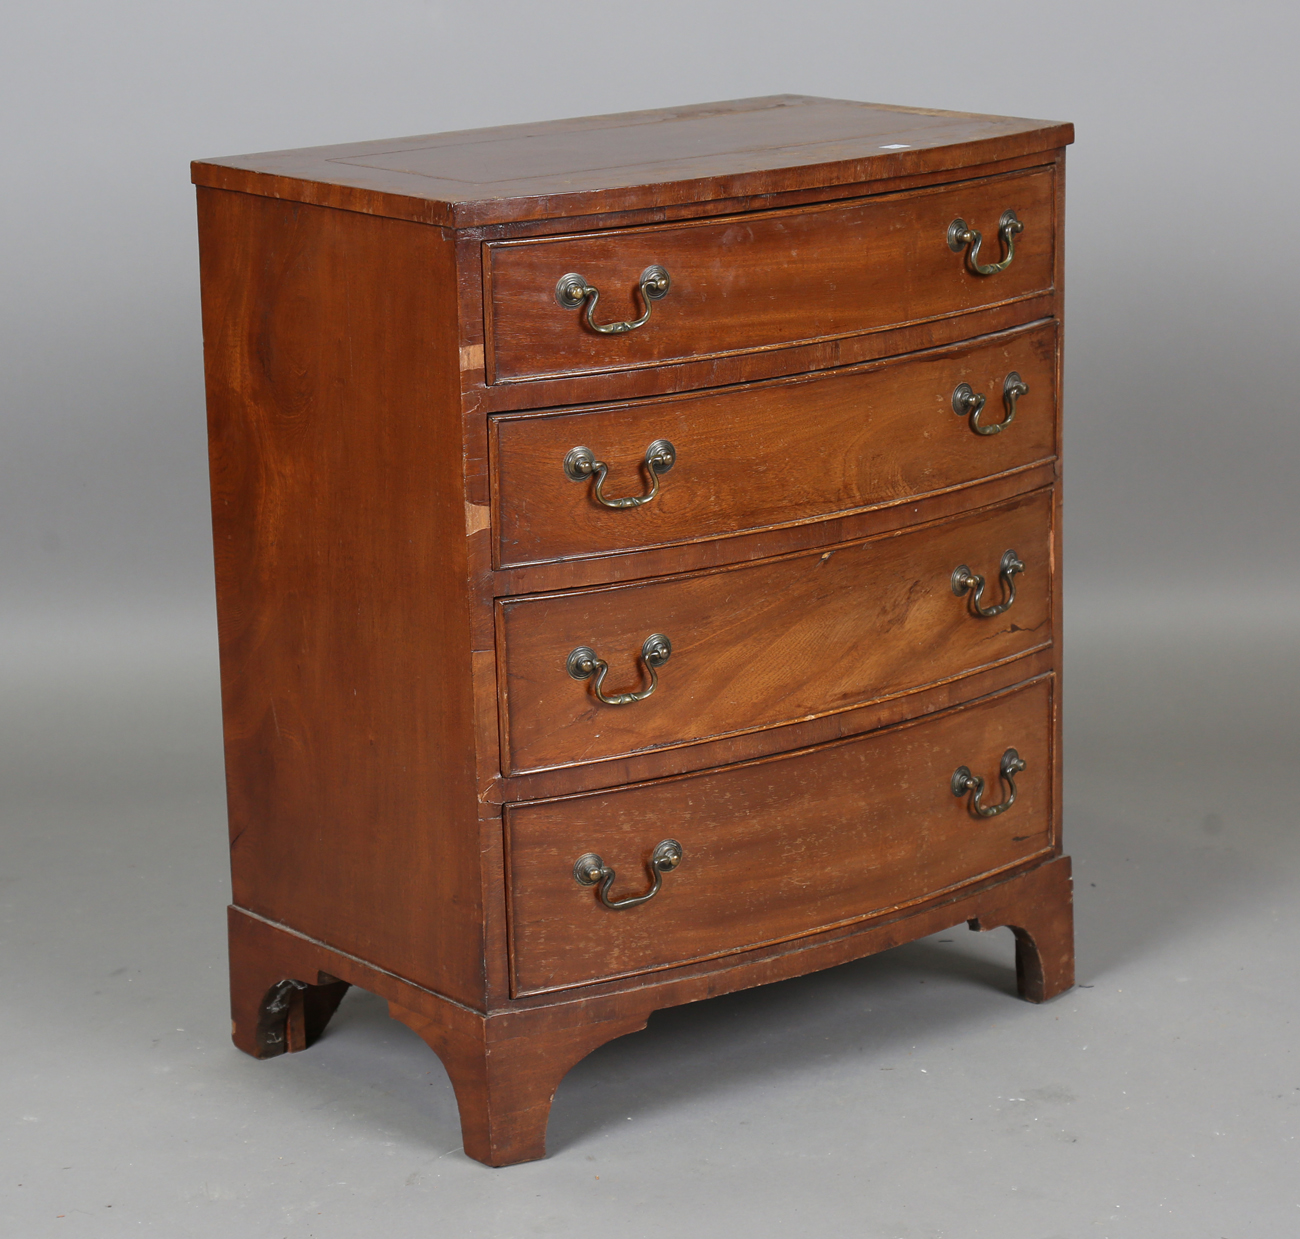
(778, 848)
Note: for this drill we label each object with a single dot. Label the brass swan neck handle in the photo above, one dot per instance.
(580, 464)
(964, 781)
(584, 662)
(590, 870)
(572, 291)
(965, 581)
(961, 235)
(967, 402)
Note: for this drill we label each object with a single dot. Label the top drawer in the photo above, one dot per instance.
(766, 280)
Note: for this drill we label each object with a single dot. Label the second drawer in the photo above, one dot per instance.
(775, 453)
(772, 642)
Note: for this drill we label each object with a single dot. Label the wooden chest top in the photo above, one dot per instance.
(634, 161)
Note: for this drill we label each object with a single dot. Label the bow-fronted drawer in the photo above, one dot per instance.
(590, 674)
(629, 298)
(770, 850)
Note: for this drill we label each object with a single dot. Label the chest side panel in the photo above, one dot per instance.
(338, 524)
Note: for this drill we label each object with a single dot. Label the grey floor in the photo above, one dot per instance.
(906, 1096)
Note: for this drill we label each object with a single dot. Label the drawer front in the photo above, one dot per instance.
(776, 849)
(773, 454)
(769, 642)
(764, 280)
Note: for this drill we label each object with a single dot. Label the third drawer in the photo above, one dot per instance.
(772, 642)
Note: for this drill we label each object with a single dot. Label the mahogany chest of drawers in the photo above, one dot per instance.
(638, 568)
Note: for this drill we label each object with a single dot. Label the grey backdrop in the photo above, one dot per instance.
(1183, 273)
(1183, 254)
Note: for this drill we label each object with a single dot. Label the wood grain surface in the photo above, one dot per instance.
(764, 455)
(771, 642)
(344, 621)
(776, 848)
(631, 160)
(403, 568)
(764, 280)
